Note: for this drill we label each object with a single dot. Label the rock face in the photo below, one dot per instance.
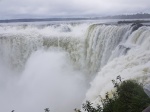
(136, 26)
(147, 109)
(147, 90)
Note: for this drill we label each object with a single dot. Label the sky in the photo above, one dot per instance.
(70, 8)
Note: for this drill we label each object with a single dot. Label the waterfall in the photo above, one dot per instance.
(99, 51)
(17, 43)
(89, 49)
(100, 42)
(130, 59)
(40, 67)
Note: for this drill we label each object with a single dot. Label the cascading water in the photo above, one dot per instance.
(100, 42)
(56, 61)
(130, 60)
(18, 42)
(35, 68)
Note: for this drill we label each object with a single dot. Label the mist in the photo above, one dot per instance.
(47, 81)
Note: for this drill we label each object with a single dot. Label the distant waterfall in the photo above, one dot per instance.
(16, 50)
(17, 43)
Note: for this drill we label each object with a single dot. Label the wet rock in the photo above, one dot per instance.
(147, 89)
(136, 26)
(147, 109)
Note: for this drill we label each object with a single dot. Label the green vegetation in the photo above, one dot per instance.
(129, 97)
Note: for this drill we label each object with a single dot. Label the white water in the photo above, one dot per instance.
(18, 42)
(49, 66)
(134, 65)
(38, 73)
(48, 81)
(100, 42)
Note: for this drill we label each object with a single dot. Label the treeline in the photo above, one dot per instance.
(132, 16)
(41, 20)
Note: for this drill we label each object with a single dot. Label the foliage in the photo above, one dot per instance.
(129, 97)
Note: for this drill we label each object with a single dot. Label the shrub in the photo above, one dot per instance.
(129, 97)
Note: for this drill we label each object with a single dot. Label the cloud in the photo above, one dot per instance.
(59, 8)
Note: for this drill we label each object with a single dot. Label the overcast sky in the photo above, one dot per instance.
(69, 8)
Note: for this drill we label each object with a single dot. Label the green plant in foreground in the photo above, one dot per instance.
(129, 97)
